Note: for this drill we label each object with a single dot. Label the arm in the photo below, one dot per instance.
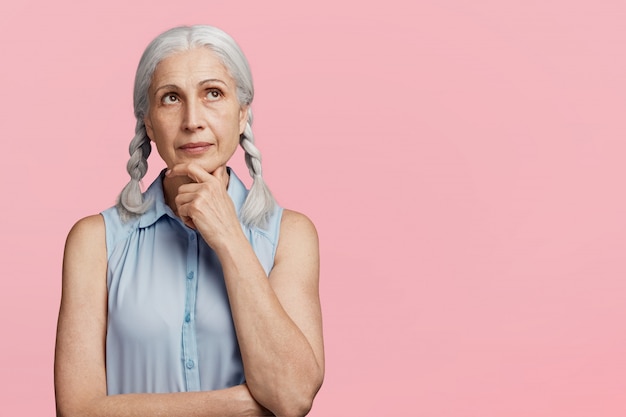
(278, 320)
(79, 369)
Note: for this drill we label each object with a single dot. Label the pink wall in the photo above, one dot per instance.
(463, 161)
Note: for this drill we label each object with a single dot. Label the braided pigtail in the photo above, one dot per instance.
(131, 201)
(260, 203)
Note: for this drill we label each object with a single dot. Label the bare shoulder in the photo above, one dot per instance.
(86, 242)
(89, 224)
(295, 226)
(297, 223)
(298, 236)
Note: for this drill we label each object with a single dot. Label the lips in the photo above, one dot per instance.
(196, 147)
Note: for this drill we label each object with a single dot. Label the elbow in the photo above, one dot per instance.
(294, 408)
(288, 393)
(298, 401)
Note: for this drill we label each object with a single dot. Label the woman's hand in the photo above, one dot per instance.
(204, 204)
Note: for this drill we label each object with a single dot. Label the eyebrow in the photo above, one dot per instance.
(201, 83)
(166, 86)
(212, 80)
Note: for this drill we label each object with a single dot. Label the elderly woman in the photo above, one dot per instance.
(198, 297)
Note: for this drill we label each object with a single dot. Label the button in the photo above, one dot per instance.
(188, 318)
(192, 236)
(190, 364)
(190, 275)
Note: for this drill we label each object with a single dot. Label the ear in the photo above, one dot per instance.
(148, 123)
(243, 118)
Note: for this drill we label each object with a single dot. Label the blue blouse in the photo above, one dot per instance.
(169, 326)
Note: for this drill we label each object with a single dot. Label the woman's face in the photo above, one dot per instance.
(194, 113)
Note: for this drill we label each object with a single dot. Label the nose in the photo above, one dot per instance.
(194, 117)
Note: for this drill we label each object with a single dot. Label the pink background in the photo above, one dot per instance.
(463, 161)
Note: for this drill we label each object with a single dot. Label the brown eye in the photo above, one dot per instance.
(213, 95)
(169, 99)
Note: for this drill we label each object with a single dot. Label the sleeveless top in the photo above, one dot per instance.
(169, 326)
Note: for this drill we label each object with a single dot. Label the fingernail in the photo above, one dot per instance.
(168, 172)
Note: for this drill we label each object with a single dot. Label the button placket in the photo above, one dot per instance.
(189, 343)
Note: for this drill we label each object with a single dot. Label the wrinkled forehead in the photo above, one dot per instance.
(193, 64)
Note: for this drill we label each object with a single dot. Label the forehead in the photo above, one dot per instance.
(191, 66)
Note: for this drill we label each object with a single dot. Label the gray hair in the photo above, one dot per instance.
(259, 203)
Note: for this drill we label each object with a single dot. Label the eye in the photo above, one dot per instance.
(169, 98)
(213, 94)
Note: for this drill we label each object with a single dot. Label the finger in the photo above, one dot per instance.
(183, 198)
(191, 170)
(220, 172)
(183, 213)
(190, 188)
(189, 222)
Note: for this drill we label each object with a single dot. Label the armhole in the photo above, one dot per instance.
(107, 232)
(264, 240)
(275, 229)
(114, 229)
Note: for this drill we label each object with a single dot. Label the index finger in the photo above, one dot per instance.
(220, 173)
(191, 170)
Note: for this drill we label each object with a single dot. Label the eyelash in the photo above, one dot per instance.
(209, 96)
(166, 96)
(211, 91)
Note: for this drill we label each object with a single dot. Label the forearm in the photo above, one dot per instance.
(235, 401)
(280, 365)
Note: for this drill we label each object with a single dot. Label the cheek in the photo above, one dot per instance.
(227, 125)
(161, 129)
